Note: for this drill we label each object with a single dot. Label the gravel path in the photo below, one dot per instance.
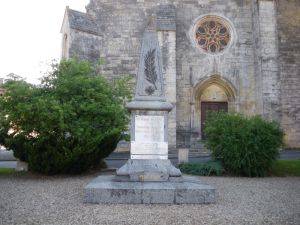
(30, 199)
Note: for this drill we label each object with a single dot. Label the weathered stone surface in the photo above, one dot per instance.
(148, 170)
(289, 58)
(104, 189)
(150, 89)
(166, 18)
(146, 105)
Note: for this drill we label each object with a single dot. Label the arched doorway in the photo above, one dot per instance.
(214, 99)
(211, 94)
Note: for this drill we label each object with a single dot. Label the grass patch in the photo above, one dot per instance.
(202, 169)
(6, 171)
(281, 168)
(284, 168)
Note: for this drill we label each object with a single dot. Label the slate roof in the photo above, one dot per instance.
(81, 21)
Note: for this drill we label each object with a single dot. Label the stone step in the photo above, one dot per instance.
(197, 145)
(172, 154)
(106, 189)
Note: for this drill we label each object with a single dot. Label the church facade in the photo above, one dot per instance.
(234, 55)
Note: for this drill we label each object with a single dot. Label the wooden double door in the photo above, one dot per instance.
(206, 107)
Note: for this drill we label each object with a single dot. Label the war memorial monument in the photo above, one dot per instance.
(149, 176)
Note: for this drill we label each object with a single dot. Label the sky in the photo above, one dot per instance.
(30, 35)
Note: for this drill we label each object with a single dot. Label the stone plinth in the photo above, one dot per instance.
(106, 190)
(183, 155)
(148, 170)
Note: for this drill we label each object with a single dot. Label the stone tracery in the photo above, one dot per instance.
(212, 34)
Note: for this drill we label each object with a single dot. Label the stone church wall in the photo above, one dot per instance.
(85, 46)
(268, 52)
(289, 55)
(235, 66)
(122, 24)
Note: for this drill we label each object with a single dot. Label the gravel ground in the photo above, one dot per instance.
(30, 199)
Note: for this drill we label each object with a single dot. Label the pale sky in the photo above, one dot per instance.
(30, 35)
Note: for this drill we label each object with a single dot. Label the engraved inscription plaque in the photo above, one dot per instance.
(149, 128)
(149, 137)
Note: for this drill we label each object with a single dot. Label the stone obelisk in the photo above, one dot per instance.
(149, 118)
(148, 176)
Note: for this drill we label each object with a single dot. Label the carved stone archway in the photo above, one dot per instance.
(211, 89)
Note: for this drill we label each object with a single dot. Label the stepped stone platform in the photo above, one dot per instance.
(187, 190)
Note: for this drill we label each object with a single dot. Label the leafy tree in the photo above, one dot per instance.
(14, 77)
(69, 123)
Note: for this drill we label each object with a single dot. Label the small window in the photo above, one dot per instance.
(65, 46)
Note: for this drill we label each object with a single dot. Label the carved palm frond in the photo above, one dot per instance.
(150, 71)
(150, 90)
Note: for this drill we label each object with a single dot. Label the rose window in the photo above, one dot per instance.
(212, 35)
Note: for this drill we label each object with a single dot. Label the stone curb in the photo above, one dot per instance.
(7, 156)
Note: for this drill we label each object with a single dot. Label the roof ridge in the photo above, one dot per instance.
(74, 10)
(82, 21)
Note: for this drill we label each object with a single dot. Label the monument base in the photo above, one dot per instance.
(107, 190)
(148, 170)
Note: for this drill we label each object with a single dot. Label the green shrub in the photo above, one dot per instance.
(245, 146)
(202, 169)
(66, 125)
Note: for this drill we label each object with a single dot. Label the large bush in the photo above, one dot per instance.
(66, 125)
(245, 146)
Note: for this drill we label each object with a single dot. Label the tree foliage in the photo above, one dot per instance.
(66, 125)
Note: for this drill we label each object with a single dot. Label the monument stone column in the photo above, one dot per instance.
(149, 118)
